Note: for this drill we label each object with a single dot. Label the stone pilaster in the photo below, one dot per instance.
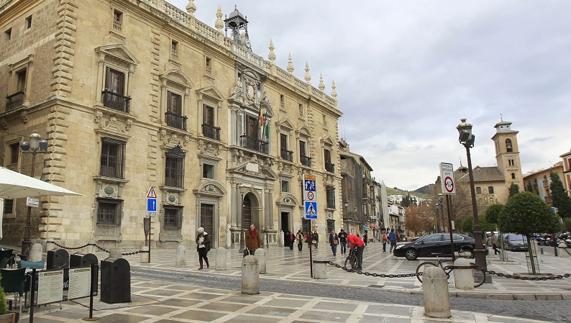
(64, 48)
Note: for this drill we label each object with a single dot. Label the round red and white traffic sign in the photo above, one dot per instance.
(449, 184)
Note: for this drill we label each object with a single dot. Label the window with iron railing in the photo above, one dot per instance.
(172, 218)
(305, 161)
(174, 170)
(209, 128)
(303, 158)
(327, 158)
(210, 131)
(113, 95)
(286, 155)
(254, 144)
(109, 211)
(173, 116)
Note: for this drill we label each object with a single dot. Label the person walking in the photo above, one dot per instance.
(333, 242)
(202, 246)
(343, 241)
(385, 239)
(366, 237)
(253, 240)
(393, 240)
(291, 238)
(357, 244)
(300, 238)
(315, 239)
(494, 241)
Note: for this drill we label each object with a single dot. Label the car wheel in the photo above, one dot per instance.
(410, 254)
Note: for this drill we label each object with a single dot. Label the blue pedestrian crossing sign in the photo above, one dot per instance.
(151, 205)
(310, 210)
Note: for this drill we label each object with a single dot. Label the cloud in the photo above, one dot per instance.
(407, 71)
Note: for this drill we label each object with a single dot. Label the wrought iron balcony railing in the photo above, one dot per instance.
(210, 131)
(286, 155)
(330, 167)
(15, 100)
(254, 144)
(175, 120)
(305, 160)
(116, 101)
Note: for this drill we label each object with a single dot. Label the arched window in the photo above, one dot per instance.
(509, 146)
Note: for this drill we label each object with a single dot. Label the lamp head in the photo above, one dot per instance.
(35, 141)
(465, 136)
(25, 145)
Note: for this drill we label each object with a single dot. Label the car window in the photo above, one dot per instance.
(433, 238)
(458, 237)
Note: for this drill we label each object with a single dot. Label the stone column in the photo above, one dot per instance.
(435, 293)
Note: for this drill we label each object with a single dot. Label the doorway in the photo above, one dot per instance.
(249, 211)
(285, 227)
(207, 220)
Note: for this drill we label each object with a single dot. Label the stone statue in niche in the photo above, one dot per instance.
(237, 92)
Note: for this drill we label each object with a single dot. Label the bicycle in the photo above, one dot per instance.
(351, 262)
(479, 273)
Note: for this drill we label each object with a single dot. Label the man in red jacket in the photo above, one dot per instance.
(355, 242)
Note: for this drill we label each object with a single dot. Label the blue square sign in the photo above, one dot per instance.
(151, 205)
(310, 210)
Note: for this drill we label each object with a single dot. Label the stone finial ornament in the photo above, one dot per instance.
(321, 83)
(333, 89)
(219, 22)
(307, 75)
(290, 68)
(190, 7)
(272, 54)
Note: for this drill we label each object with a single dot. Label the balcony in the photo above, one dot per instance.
(175, 120)
(15, 100)
(254, 144)
(286, 155)
(116, 101)
(329, 167)
(211, 131)
(305, 161)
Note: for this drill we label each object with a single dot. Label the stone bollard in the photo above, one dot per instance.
(221, 263)
(145, 259)
(180, 256)
(320, 269)
(36, 252)
(260, 254)
(463, 277)
(250, 276)
(435, 293)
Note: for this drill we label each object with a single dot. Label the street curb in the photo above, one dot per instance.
(499, 295)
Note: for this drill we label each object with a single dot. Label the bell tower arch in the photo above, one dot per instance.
(507, 154)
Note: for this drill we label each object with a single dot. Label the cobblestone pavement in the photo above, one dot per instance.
(165, 302)
(292, 265)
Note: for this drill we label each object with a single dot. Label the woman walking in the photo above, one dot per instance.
(333, 242)
(202, 246)
(300, 238)
(253, 240)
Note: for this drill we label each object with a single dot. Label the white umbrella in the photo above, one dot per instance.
(14, 185)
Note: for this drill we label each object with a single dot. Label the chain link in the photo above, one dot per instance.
(373, 274)
(516, 276)
(98, 247)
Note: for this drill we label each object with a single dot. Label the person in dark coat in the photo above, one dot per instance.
(253, 240)
(315, 238)
(202, 246)
(343, 241)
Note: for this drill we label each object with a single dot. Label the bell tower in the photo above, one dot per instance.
(238, 24)
(507, 154)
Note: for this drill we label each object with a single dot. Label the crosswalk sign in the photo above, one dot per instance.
(310, 210)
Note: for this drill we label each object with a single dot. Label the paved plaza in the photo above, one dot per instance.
(157, 301)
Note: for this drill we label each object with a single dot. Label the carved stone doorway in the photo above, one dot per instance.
(250, 209)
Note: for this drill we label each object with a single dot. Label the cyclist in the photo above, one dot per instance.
(358, 244)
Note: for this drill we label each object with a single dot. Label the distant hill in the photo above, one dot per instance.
(426, 189)
(421, 194)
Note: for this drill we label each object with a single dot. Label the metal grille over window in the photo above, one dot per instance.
(114, 92)
(112, 152)
(174, 167)
(108, 211)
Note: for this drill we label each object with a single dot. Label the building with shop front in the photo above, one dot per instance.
(138, 93)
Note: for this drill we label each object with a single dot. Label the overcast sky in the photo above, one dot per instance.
(407, 71)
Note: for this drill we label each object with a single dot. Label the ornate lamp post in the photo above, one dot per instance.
(34, 146)
(467, 139)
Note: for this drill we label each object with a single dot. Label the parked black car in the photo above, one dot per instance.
(515, 242)
(435, 245)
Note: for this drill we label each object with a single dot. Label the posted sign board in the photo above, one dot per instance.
(151, 200)
(447, 178)
(50, 287)
(310, 197)
(79, 282)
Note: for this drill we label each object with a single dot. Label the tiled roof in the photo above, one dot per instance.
(481, 174)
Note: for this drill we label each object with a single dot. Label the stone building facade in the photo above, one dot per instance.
(137, 93)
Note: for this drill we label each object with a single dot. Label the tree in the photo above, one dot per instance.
(419, 219)
(514, 189)
(525, 213)
(493, 212)
(406, 201)
(529, 188)
(560, 198)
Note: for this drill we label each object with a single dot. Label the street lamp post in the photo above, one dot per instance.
(34, 146)
(467, 138)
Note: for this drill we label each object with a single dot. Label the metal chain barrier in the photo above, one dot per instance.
(373, 274)
(98, 247)
(516, 276)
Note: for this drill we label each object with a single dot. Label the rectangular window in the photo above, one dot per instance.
(208, 65)
(8, 34)
(173, 116)
(327, 158)
(284, 152)
(513, 175)
(173, 217)
(478, 190)
(112, 152)
(330, 192)
(114, 81)
(117, 20)
(303, 158)
(14, 153)
(282, 101)
(207, 171)
(174, 48)
(108, 211)
(21, 80)
(490, 190)
(29, 22)
(8, 206)
(300, 108)
(208, 115)
(285, 186)
(174, 171)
